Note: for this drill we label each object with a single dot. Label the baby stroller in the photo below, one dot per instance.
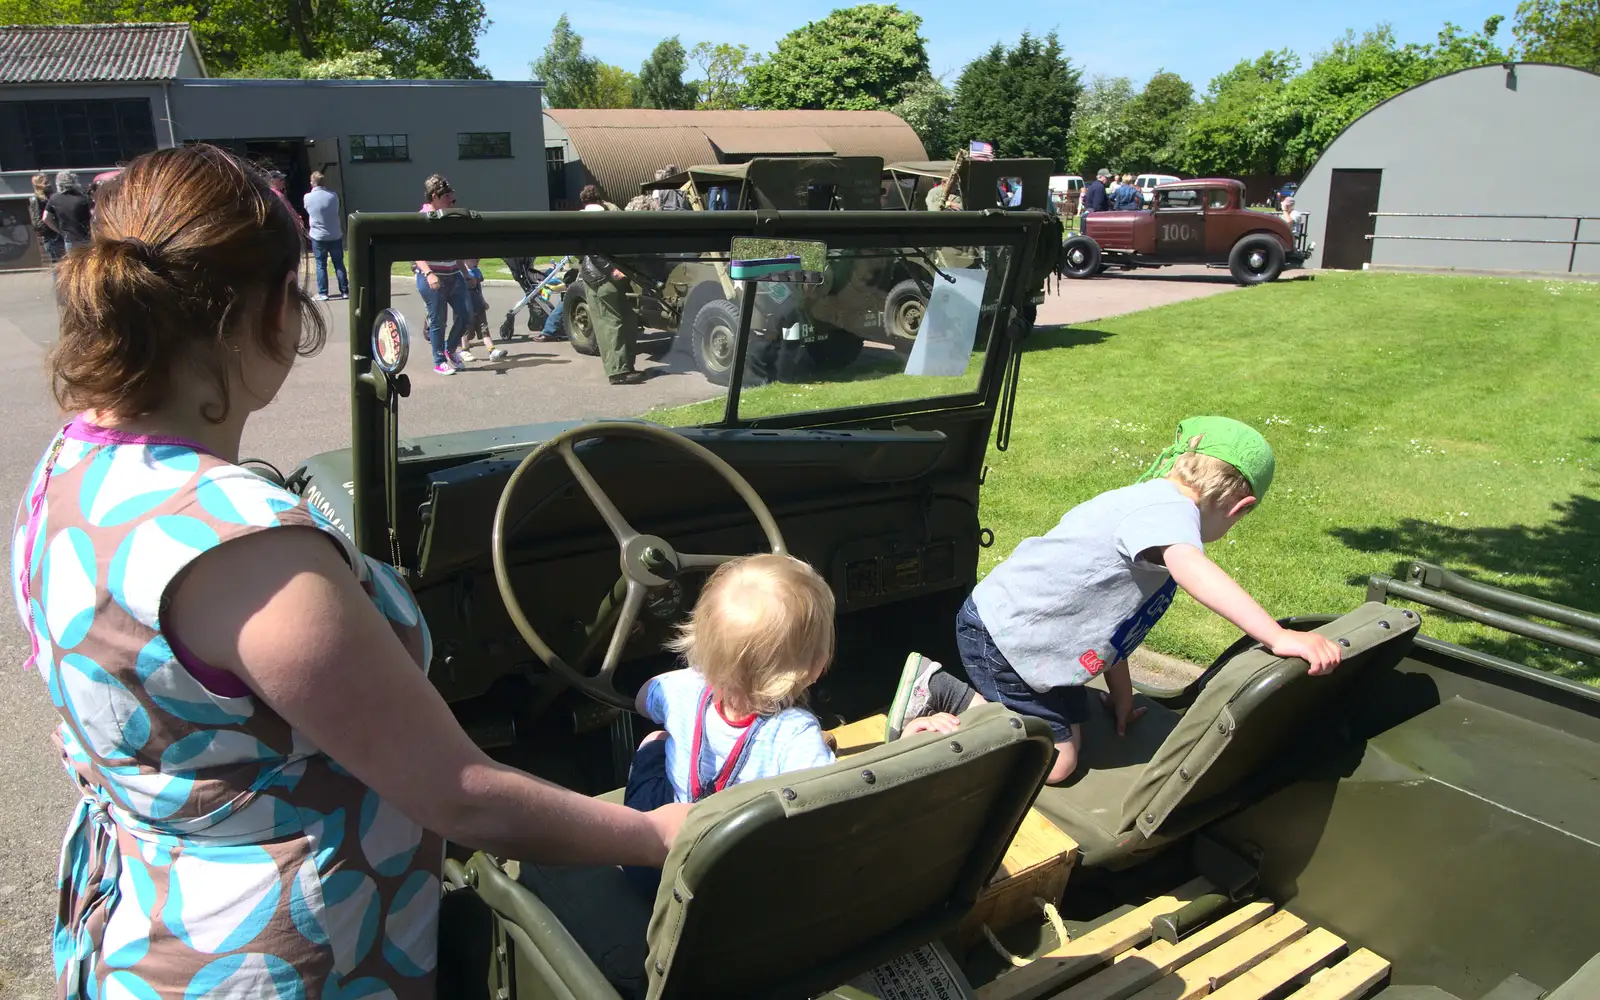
(541, 293)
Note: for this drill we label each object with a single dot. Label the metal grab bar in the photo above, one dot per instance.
(1427, 574)
(1379, 588)
(1572, 256)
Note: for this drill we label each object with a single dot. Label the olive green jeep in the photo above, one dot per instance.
(1420, 823)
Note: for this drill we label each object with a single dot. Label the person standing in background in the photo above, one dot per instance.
(443, 287)
(616, 327)
(49, 239)
(67, 212)
(325, 226)
(1094, 194)
(1127, 197)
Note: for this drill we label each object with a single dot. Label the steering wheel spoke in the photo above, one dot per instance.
(631, 606)
(608, 511)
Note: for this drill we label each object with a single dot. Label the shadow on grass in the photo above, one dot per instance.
(1046, 338)
(1564, 555)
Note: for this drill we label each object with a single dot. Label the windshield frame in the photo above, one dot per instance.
(378, 241)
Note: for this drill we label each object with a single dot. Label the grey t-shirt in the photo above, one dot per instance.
(322, 215)
(1068, 604)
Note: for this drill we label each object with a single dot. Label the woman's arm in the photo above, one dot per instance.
(282, 611)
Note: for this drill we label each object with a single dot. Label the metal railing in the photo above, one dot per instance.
(1576, 220)
(1437, 587)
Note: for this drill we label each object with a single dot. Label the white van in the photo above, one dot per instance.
(1065, 191)
(1146, 183)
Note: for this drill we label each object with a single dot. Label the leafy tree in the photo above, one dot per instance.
(367, 65)
(856, 58)
(614, 87)
(569, 76)
(661, 82)
(1225, 135)
(413, 38)
(1099, 132)
(1020, 98)
(926, 108)
(1156, 122)
(723, 70)
(1559, 31)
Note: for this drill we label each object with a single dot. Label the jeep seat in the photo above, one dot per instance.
(1175, 771)
(788, 886)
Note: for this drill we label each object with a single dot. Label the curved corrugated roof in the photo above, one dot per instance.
(92, 53)
(622, 148)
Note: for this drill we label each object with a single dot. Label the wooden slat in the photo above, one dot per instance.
(1038, 841)
(1211, 970)
(1294, 961)
(1058, 968)
(863, 734)
(1135, 970)
(1348, 980)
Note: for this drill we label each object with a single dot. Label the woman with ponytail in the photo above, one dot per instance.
(266, 774)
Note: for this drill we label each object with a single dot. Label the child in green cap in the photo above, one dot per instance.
(1072, 604)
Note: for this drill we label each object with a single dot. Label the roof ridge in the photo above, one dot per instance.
(97, 24)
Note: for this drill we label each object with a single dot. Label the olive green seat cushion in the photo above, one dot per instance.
(1175, 771)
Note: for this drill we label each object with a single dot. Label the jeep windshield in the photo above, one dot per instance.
(835, 352)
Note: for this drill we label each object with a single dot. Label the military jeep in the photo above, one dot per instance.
(1421, 823)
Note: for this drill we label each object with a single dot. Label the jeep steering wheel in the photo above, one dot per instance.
(647, 560)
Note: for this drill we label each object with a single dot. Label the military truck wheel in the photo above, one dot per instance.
(1256, 260)
(1080, 257)
(577, 323)
(838, 349)
(715, 339)
(903, 309)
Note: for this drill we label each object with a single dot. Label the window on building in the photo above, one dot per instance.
(483, 145)
(71, 135)
(379, 148)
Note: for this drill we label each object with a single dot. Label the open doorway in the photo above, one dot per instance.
(291, 156)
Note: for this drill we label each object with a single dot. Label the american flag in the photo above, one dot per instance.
(980, 150)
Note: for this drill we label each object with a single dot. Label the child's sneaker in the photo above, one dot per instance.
(498, 354)
(465, 355)
(911, 696)
(456, 358)
(444, 368)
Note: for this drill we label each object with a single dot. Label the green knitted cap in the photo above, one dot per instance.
(1238, 444)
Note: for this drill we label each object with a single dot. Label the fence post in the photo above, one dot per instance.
(1573, 256)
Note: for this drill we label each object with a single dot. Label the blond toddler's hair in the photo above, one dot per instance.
(761, 632)
(1218, 483)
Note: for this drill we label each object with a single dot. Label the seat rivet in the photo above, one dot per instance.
(1149, 817)
(1222, 727)
(661, 968)
(868, 777)
(1344, 642)
(1383, 624)
(500, 952)
(789, 794)
(1016, 723)
(677, 895)
(1408, 614)
(1183, 772)
(955, 746)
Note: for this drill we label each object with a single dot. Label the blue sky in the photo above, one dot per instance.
(1196, 41)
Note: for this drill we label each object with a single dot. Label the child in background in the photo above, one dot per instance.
(1072, 604)
(478, 325)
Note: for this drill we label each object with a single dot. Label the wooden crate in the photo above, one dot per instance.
(1037, 864)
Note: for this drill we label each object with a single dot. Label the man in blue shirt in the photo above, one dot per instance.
(326, 230)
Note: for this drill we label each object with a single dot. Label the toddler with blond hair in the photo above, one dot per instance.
(1071, 604)
(759, 636)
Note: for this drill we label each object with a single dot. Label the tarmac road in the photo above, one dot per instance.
(539, 382)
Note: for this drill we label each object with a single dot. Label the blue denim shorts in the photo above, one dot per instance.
(992, 676)
(648, 788)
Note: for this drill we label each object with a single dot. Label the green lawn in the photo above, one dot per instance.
(1452, 419)
(492, 267)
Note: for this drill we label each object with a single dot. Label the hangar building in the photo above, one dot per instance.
(1463, 162)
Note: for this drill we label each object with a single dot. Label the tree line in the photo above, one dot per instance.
(1267, 115)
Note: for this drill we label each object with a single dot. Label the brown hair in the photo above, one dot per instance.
(590, 195)
(761, 632)
(316, 178)
(436, 185)
(41, 186)
(188, 246)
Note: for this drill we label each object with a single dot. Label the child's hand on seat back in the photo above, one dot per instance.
(939, 722)
(1319, 652)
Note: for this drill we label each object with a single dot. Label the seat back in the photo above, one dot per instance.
(1251, 710)
(789, 886)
